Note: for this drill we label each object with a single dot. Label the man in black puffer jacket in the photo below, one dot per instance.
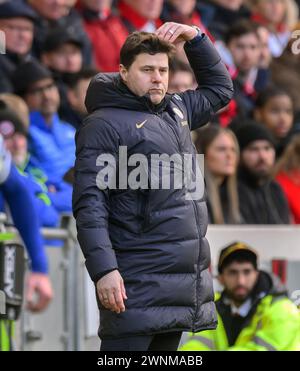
(147, 247)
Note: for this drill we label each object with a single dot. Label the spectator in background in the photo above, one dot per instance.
(76, 88)
(17, 105)
(54, 13)
(219, 15)
(17, 22)
(254, 311)
(221, 152)
(62, 54)
(249, 78)
(274, 109)
(261, 199)
(62, 51)
(183, 12)
(287, 173)
(108, 32)
(15, 140)
(275, 15)
(25, 218)
(265, 51)
(181, 77)
(51, 140)
(286, 72)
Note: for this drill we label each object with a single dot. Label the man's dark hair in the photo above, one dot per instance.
(269, 93)
(73, 79)
(144, 42)
(241, 28)
(239, 257)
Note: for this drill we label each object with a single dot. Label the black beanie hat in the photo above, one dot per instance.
(237, 250)
(251, 132)
(27, 74)
(10, 122)
(17, 8)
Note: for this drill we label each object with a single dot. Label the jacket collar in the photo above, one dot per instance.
(107, 90)
(37, 120)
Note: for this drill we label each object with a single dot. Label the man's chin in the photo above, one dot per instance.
(156, 98)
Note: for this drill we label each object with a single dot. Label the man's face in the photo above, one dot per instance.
(238, 279)
(67, 58)
(43, 97)
(273, 10)
(181, 81)
(51, 9)
(97, 5)
(149, 9)
(259, 158)
(17, 146)
(18, 33)
(246, 51)
(148, 74)
(277, 115)
(265, 51)
(185, 7)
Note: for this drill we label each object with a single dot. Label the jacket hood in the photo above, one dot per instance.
(268, 284)
(107, 90)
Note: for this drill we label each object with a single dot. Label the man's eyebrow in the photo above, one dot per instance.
(152, 66)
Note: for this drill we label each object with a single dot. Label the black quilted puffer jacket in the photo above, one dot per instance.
(155, 238)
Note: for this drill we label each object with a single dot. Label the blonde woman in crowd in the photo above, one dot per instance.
(221, 152)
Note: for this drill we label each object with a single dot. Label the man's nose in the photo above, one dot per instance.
(241, 279)
(156, 77)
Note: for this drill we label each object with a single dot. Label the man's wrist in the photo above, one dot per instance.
(198, 36)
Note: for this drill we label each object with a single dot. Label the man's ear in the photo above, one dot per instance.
(123, 72)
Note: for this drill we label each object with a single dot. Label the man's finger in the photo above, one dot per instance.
(112, 301)
(123, 290)
(176, 34)
(162, 31)
(119, 300)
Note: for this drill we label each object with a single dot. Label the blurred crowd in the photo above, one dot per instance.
(53, 48)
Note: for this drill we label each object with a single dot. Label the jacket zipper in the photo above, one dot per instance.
(198, 261)
(174, 131)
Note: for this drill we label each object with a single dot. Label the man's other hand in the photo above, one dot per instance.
(111, 291)
(176, 33)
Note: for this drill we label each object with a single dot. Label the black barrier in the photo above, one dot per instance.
(12, 272)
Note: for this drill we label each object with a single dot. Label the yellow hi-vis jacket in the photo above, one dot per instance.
(274, 326)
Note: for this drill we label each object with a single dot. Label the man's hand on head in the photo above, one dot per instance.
(111, 291)
(176, 33)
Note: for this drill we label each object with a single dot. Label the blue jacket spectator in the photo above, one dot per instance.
(52, 147)
(51, 140)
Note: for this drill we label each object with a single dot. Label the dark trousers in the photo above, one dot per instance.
(167, 341)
